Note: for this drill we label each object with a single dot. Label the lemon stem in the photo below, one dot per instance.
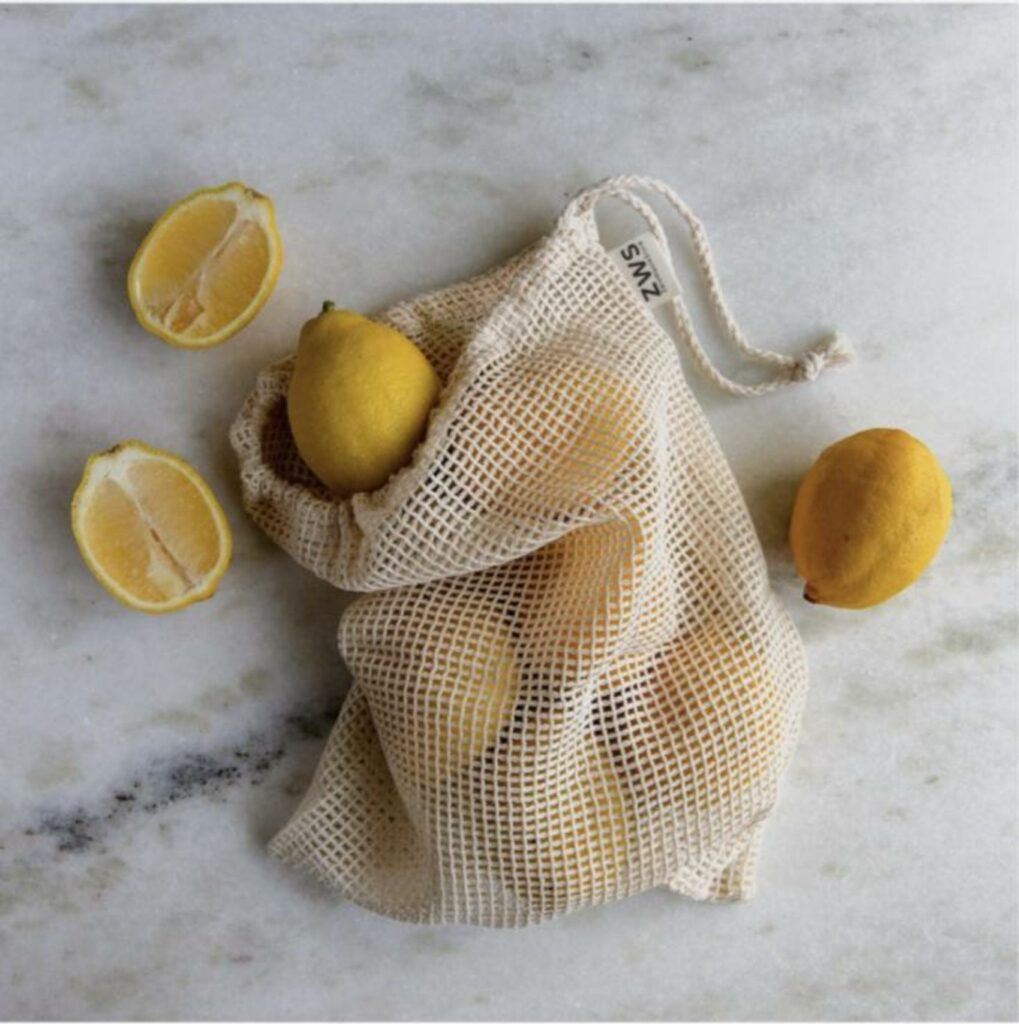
(328, 305)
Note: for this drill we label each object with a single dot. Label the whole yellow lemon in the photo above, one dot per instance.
(561, 829)
(358, 400)
(705, 725)
(441, 675)
(587, 596)
(869, 515)
(574, 426)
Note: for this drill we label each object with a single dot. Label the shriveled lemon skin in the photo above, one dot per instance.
(869, 516)
(358, 400)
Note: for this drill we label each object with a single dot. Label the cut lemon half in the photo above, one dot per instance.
(149, 528)
(206, 267)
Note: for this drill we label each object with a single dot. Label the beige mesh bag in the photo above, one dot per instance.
(571, 679)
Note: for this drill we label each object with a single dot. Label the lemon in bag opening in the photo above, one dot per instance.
(358, 401)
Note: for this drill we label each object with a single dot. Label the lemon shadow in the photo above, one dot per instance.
(770, 502)
(113, 241)
(74, 595)
(303, 613)
(514, 234)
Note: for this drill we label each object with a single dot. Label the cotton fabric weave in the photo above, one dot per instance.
(572, 681)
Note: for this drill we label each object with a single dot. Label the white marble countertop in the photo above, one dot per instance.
(856, 168)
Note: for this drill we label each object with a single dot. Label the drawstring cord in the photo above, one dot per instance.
(833, 350)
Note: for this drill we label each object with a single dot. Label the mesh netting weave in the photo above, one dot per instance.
(571, 679)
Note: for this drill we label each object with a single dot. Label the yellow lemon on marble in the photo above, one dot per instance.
(358, 401)
(150, 528)
(207, 266)
(869, 516)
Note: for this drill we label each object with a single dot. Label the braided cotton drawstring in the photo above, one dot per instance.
(831, 351)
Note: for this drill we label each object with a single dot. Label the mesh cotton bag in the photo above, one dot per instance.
(571, 679)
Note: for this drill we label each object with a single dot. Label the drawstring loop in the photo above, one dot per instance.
(834, 350)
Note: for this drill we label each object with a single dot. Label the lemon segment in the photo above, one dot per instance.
(206, 267)
(149, 528)
(869, 516)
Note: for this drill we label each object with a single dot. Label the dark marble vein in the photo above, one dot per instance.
(166, 781)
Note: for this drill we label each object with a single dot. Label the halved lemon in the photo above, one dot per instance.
(206, 267)
(150, 528)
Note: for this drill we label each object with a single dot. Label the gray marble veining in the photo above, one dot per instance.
(856, 167)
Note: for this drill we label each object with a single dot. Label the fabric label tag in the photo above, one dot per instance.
(647, 268)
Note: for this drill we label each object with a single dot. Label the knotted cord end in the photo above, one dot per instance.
(835, 350)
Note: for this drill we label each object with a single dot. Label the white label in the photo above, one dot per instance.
(647, 269)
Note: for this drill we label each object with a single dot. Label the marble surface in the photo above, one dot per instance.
(856, 167)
